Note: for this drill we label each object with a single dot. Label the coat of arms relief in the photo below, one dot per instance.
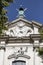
(19, 52)
(20, 29)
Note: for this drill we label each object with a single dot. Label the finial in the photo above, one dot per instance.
(21, 11)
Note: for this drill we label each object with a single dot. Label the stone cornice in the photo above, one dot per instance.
(30, 23)
(18, 20)
(35, 36)
(3, 37)
(19, 40)
(25, 39)
(34, 23)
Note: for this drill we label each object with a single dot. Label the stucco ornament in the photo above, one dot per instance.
(19, 53)
(20, 31)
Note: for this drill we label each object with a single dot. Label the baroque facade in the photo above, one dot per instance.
(19, 43)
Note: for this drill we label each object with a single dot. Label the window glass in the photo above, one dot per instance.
(19, 62)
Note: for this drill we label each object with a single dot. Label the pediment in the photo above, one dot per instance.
(21, 27)
(19, 20)
(30, 23)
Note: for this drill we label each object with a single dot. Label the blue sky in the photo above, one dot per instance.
(34, 10)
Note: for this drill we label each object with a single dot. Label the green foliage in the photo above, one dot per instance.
(40, 51)
(3, 12)
(5, 3)
(41, 32)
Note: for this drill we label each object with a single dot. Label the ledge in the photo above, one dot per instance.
(24, 39)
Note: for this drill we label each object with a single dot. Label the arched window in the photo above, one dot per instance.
(19, 62)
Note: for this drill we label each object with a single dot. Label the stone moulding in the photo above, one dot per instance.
(24, 39)
(17, 56)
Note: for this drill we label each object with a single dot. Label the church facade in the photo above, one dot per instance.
(19, 43)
